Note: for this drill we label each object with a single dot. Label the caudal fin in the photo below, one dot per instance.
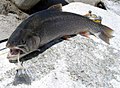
(106, 34)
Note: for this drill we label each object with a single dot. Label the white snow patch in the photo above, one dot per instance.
(113, 5)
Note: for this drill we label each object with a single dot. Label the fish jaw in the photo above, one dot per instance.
(14, 52)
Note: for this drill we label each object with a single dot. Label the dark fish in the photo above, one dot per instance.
(45, 26)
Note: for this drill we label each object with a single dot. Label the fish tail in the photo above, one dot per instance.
(106, 34)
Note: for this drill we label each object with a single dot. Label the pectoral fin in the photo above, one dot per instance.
(66, 37)
(85, 34)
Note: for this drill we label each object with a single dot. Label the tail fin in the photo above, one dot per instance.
(106, 34)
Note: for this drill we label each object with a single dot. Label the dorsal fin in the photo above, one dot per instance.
(56, 7)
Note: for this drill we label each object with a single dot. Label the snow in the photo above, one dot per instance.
(78, 63)
(7, 22)
(113, 5)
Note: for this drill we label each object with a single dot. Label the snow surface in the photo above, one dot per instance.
(78, 63)
(8, 22)
(113, 5)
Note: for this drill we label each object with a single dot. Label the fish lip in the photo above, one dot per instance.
(12, 57)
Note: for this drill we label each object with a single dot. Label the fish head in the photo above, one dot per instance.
(21, 42)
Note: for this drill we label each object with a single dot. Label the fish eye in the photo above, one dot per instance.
(24, 42)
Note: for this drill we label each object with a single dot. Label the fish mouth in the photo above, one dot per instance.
(14, 52)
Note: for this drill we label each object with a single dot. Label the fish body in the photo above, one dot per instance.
(45, 26)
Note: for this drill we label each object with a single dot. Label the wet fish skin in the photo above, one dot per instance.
(45, 26)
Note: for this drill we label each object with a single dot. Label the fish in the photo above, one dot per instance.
(47, 25)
